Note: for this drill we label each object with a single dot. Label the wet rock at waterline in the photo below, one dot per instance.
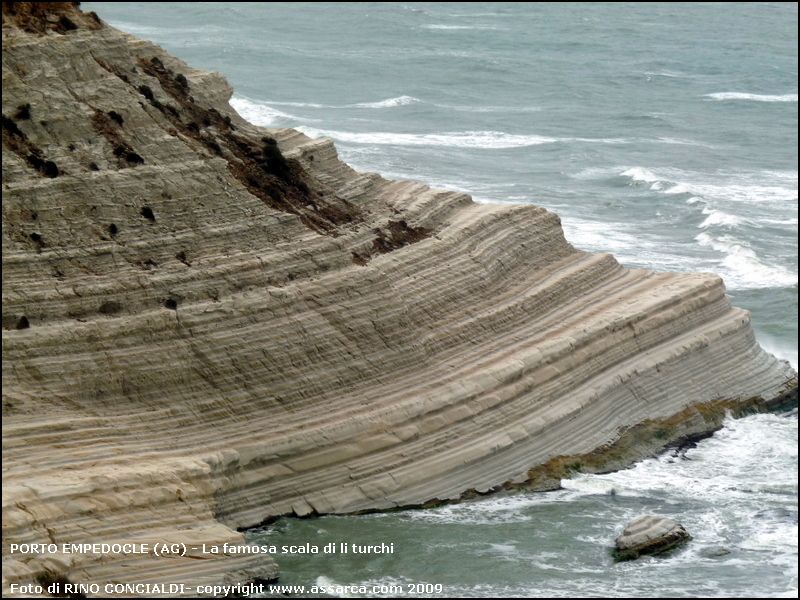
(649, 534)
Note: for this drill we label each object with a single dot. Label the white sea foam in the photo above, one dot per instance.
(682, 142)
(736, 192)
(750, 187)
(488, 140)
(741, 266)
(490, 109)
(596, 140)
(729, 202)
(590, 173)
(300, 104)
(161, 32)
(262, 114)
(405, 100)
(476, 15)
(788, 221)
(752, 97)
(388, 103)
(624, 241)
(640, 174)
(324, 581)
(750, 465)
(719, 218)
(779, 348)
(459, 139)
(668, 74)
(444, 27)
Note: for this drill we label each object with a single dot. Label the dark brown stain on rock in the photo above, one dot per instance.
(394, 235)
(110, 128)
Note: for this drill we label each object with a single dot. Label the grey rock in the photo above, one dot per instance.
(714, 552)
(649, 534)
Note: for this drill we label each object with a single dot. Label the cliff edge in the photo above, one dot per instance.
(207, 324)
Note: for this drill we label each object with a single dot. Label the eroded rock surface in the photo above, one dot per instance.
(207, 324)
(649, 534)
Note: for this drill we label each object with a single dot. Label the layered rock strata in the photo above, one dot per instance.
(207, 324)
(649, 534)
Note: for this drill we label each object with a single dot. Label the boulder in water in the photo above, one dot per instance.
(649, 534)
(714, 552)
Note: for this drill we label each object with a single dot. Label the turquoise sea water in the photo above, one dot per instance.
(666, 134)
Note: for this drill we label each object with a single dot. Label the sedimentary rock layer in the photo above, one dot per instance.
(208, 324)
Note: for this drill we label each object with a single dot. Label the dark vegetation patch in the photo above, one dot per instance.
(37, 239)
(41, 17)
(148, 214)
(116, 117)
(395, 235)
(23, 112)
(360, 258)
(181, 256)
(281, 183)
(93, 166)
(65, 24)
(113, 69)
(148, 264)
(113, 229)
(15, 322)
(46, 167)
(168, 109)
(145, 91)
(110, 128)
(110, 307)
(17, 142)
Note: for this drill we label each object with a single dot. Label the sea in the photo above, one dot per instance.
(665, 133)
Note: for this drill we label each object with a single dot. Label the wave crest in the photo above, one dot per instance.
(388, 103)
(460, 139)
(742, 267)
(752, 97)
(262, 114)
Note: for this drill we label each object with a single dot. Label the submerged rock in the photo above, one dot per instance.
(714, 552)
(649, 534)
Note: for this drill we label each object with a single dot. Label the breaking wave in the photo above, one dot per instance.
(388, 103)
(463, 139)
(263, 114)
(752, 97)
(742, 268)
